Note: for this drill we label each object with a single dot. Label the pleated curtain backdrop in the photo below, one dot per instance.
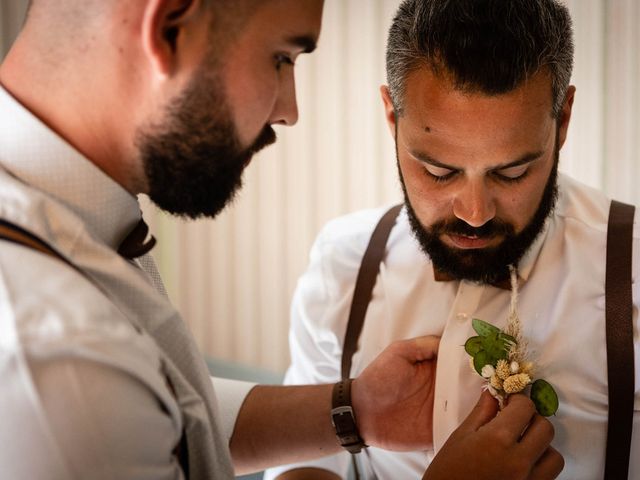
(233, 277)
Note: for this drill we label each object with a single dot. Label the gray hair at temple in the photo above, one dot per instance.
(486, 46)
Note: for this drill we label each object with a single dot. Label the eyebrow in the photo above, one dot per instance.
(307, 42)
(526, 158)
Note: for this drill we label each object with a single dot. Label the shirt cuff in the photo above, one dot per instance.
(231, 395)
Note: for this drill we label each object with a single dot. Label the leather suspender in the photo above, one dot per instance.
(15, 234)
(620, 360)
(619, 325)
(365, 281)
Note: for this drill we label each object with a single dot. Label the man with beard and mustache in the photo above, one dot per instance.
(101, 100)
(478, 102)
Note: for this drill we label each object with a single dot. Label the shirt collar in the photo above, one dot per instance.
(36, 155)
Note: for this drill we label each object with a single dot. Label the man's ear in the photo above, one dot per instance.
(389, 111)
(164, 24)
(565, 115)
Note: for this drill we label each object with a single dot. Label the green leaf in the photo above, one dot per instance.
(544, 398)
(473, 345)
(483, 328)
(480, 359)
(494, 346)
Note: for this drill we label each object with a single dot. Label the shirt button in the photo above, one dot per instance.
(463, 317)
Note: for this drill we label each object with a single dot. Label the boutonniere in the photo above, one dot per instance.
(500, 357)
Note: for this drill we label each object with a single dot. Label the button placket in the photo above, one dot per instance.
(451, 377)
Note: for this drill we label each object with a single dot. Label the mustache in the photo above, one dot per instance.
(266, 137)
(492, 228)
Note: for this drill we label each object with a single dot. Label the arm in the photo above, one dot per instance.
(290, 424)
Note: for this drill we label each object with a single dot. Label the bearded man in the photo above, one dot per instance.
(101, 100)
(479, 104)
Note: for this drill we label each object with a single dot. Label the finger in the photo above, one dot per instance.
(515, 416)
(418, 349)
(485, 410)
(548, 467)
(537, 437)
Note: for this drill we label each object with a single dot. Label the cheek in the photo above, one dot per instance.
(518, 208)
(252, 102)
(428, 200)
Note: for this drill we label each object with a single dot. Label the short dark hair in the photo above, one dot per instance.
(487, 46)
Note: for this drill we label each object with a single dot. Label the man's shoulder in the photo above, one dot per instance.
(586, 206)
(355, 228)
(42, 293)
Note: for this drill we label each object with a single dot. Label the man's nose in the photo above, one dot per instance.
(474, 204)
(285, 109)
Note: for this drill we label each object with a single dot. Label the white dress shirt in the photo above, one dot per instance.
(561, 306)
(100, 377)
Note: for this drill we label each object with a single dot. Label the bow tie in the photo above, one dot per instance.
(136, 244)
(441, 276)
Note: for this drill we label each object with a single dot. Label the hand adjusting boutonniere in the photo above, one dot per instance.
(501, 358)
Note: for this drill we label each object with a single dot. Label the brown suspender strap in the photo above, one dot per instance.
(365, 282)
(620, 358)
(15, 234)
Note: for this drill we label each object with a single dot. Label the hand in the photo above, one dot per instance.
(491, 445)
(393, 397)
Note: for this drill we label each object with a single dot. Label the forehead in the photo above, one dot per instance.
(435, 110)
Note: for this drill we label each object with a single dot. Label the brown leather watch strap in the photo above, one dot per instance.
(619, 333)
(343, 418)
(367, 275)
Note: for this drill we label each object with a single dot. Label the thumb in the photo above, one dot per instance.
(423, 348)
(485, 410)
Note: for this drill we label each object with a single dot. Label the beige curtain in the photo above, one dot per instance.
(233, 277)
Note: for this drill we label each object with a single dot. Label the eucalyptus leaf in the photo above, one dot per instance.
(480, 359)
(483, 328)
(473, 345)
(544, 398)
(493, 345)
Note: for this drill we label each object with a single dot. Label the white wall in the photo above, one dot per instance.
(233, 277)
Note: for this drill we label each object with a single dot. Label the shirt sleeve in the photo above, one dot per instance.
(318, 318)
(231, 395)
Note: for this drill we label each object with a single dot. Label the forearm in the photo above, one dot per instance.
(278, 425)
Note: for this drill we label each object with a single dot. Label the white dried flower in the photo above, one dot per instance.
(514, 367)
(488, 371)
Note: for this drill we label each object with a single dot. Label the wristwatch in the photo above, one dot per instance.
(343, 418)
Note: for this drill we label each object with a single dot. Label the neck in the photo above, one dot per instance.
(55, 88)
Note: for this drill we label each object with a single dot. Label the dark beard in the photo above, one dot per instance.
(486, 265)
(194, 161)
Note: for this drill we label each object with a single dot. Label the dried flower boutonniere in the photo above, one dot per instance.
(501, 358)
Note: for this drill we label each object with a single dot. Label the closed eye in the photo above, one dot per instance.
(439, 174)
(513, 174)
